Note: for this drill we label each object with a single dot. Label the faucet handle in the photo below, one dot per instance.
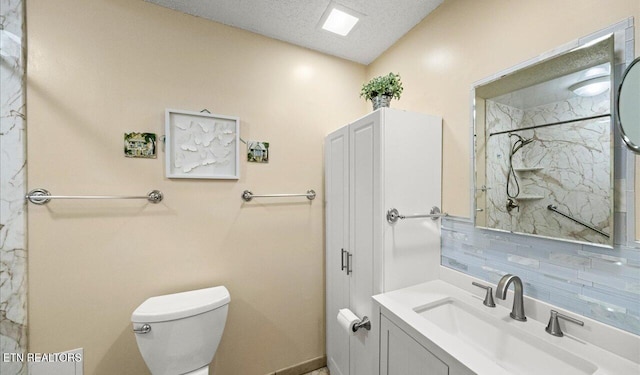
(553, 328)
(488, 298)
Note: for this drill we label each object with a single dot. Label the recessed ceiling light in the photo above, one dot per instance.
(340, 22)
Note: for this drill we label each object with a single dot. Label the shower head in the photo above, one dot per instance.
(523, 141)
(527, 141)
(520, 143)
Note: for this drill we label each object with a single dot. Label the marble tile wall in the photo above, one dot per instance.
(577, 178)
(13, 268)
(499, 117)
(575, 175)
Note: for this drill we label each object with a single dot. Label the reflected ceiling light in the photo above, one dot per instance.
(340, 22)
(591, 87)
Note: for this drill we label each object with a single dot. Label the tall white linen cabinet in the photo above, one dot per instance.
(386, 159)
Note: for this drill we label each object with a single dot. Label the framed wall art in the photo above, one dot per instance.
(201, 145)
(257, 152)
(140, 145)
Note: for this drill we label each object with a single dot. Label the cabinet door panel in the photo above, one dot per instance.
(365, 232)
(402, 355)
(337, 221)
(362, 217)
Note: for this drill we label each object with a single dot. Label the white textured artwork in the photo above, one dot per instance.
(202, 145)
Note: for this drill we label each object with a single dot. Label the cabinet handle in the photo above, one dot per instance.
(342, 259)
(349, 270)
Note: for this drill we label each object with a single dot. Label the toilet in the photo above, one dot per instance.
(178, 334)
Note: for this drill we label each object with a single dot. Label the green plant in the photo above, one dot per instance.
(389, 85)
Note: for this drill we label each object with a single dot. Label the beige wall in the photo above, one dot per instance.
(464, 41)
(100, 68)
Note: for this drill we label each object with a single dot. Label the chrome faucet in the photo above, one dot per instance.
(517, 312)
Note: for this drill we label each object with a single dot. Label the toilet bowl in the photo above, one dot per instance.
(178, 334)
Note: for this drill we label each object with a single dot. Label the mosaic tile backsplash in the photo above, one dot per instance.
(602, 284)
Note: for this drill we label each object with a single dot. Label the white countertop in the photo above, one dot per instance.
(400, 304)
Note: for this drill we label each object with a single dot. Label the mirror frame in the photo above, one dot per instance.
(630, 144)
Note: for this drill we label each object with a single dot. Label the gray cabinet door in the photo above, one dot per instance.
(402, 355)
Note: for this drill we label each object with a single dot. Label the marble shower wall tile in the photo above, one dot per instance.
(568, 156)
(13, 267)
(499, 117)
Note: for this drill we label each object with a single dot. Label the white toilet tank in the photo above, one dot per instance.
(184, 329)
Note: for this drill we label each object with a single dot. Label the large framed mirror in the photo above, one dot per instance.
(544, 148)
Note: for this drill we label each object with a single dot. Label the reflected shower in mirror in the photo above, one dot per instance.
(543, 148)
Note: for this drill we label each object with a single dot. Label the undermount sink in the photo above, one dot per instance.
(498, 338)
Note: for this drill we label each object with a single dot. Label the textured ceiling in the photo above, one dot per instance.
(382, 22)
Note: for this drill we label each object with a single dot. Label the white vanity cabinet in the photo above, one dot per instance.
(386, 159)
(401, 354)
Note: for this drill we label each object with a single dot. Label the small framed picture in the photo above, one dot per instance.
(257, 152)
(140, 145)
(201, 145)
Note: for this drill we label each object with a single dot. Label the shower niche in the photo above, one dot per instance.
(543, 143)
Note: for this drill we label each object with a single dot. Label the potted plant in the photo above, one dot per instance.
(380, 90)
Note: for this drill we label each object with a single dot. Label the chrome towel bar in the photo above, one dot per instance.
(43, 196)
(247, 195)
(393, 215)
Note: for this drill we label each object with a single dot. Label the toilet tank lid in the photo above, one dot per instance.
(180, 305)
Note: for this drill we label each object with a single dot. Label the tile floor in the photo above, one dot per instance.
(321, 371)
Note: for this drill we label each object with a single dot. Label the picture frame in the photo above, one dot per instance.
(257, 152)
(201, 145)
(140, 145)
